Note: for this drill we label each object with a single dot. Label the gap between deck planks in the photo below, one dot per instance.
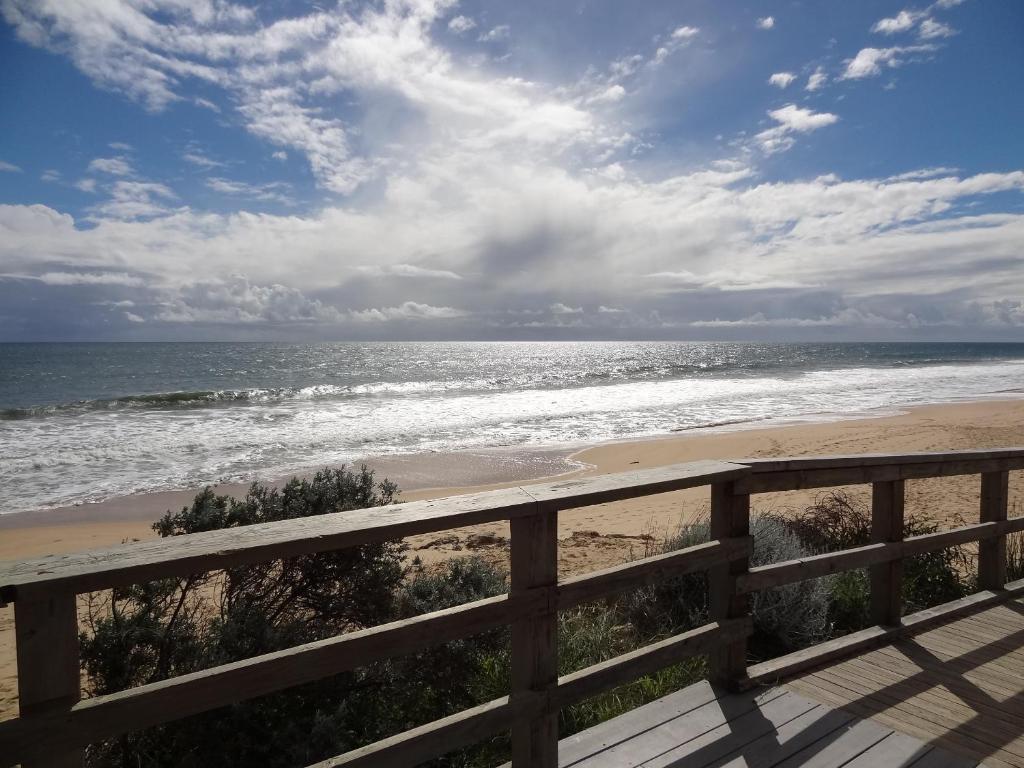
(776, 728)
(959, 685)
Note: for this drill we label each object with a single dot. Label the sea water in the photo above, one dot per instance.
(86, 422)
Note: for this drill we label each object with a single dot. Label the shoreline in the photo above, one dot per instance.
(608, 534)
(105, 523)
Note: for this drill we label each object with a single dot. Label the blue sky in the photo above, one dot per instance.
(432, 169)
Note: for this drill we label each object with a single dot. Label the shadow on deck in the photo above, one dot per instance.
(950, 696)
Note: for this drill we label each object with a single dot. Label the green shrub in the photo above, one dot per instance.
(836, 521)
(153, 631)
(785, 619)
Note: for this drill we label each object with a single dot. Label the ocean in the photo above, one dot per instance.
(91, 421)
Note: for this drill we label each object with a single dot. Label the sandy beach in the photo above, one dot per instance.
(596, 536)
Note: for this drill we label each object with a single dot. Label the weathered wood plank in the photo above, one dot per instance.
(816, 566)
(992, 554)
(847, 742)
(875, 459)
(968, 703)
(944, 716)
(441, 736)
(619, 578)
(535, 637)
(886, 526)
(697, 737)
(144, 706)
(905, 718)
(601, 489)
(46, 632)
(818, 472)
(896, 749)
(780, 668)
(650, 718)
(800, 733)
(730, 518)
(226, 548)
(630, 666)
(213, 550)
(713, 746)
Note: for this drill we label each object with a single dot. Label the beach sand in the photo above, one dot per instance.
(590, 538)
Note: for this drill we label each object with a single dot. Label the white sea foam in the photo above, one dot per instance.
(96, 453)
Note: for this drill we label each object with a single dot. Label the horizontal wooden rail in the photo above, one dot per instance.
(793, 474)
(598, 678)
(816, 566)
(147, 705)
(420, 744)
(102, 717)
(227, 548)
(620, 578)
(467, 727)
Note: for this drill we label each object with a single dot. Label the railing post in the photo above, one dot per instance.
(46, 632)
(995, 492)
(535, 639)
(887, 525)
(730, 517)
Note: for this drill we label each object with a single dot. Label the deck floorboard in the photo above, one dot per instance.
(951, 696)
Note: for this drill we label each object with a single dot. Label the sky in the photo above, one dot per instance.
(432, 169)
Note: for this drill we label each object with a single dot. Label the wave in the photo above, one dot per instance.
(224, 397)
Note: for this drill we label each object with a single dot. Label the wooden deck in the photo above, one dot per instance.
(700, 727)
(952, 695)
(959, 685)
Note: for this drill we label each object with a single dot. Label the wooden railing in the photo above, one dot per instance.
(55, 725)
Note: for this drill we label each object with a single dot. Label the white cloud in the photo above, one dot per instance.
(497, 195)
(83, 278)
(238, 301)
(121, 146)
(869, 61)
(685, 33)
(931, 29)
(410, 310)
(558, 308)
(409, 270)
(50, 175)
(276, 191)
(901, 22)
(924, 173)
(461, 24)
(501, 32)
(801, 119)
(791, 119)
(680, 37)
(200, 160)
(86, 185)
(115, 166)
(206, 104)
(781, 79)
(134, 200)
(609, 95)
(718, 235)
(817, 80)
(845, 318)
(766, 22)
(6, 167)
